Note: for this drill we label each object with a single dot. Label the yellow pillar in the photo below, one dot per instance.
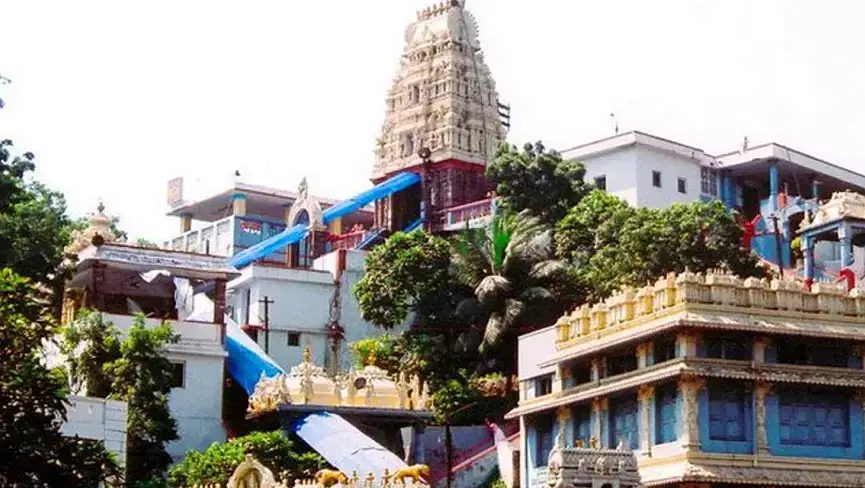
(336, 226)
(238, 202)
(185, 223)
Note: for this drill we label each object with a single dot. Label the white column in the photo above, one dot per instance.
(689, 388)
(646, 395)
(761, 389)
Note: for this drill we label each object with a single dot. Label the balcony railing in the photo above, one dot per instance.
(227, 237)
(475, 214)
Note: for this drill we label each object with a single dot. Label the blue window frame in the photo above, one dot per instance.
(814, 418)
(666, 413)
(727, 412)
(624, 421)
(544, 441)
(582, 418)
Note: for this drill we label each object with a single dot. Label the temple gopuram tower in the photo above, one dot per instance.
(443, 99)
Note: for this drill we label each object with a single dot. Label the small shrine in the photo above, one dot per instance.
(369, 398)
(840, 220)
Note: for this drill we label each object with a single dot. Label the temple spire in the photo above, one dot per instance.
(443, 95)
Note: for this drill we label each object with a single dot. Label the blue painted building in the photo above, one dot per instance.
(710, 380)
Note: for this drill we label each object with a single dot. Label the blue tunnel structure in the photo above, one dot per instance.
(337, 440)
(294, 234)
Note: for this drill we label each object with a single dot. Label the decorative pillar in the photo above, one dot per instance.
(815, 188)
(185, 222)
(238, 204)
(219, 307)
(808, 256)
(599, 412)
(646, 395)
(563, 415)
(689, 388)
(761, 389)
(98, 279)
(845, 237)
(597, 368)
(774, 186)
(643, 354)
(686, 343)
(759, 349)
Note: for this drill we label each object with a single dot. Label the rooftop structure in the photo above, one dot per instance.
(709, 379)
(120, 281)
(443, 96)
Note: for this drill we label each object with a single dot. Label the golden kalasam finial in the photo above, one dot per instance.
(370, 361)
(307, 352)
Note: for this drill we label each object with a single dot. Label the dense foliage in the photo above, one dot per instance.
(554, 244)
(34, 228)
(33, 453)
(132, 369)
(612, 245)
(537, 180)
(273, 449)
(408, 273)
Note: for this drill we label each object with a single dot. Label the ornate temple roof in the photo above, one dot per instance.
(309, 384)
(843, 205)
(443, 95)
(715, 300)
(99, 225)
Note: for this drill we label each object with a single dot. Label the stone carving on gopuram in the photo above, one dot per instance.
(581, 465)
(443, 96)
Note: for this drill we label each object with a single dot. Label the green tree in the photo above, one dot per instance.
(272, 449)
(516, 278)
(537, 180)
(33, 401)
(34, 228)
(132, 369)
(612, 245)
(142, 377)
(408, 273)
(89, 344)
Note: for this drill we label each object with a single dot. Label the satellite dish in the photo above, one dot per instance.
(360, 383)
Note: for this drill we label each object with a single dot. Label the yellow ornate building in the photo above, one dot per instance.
(711, 381)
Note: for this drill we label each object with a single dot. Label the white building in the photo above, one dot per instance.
(647, 171)
(98, 419)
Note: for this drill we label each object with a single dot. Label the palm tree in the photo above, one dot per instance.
(514, 275)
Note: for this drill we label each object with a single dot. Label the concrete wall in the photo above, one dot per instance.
(619, 167)
(301, 305)
(672, 167)
(628, 172)
(98, 419)
(197, 404)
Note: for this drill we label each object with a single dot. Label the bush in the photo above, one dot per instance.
(272, 449)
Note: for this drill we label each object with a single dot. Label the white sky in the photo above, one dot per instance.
(116, 97)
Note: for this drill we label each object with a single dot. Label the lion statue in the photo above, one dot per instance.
(416, 473)
(328, 478)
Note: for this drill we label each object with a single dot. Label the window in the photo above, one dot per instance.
(582, 415)
(656, 179)
(622, 363)
(709, 181)
(624, 425)
(544, 430)
(814, 418)
(581, 374)
(813, 353)
(293, 339)
(666, 428)
(544, 385)
(664, 349)
(683, 185)
(178, 375)
(734, 348)
(601, 182)
(727, 412)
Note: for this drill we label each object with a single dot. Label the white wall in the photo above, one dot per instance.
(629, 175)
(672, 167)
(301, 304)
(620, 168)
(98, 419)
(197, 405)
